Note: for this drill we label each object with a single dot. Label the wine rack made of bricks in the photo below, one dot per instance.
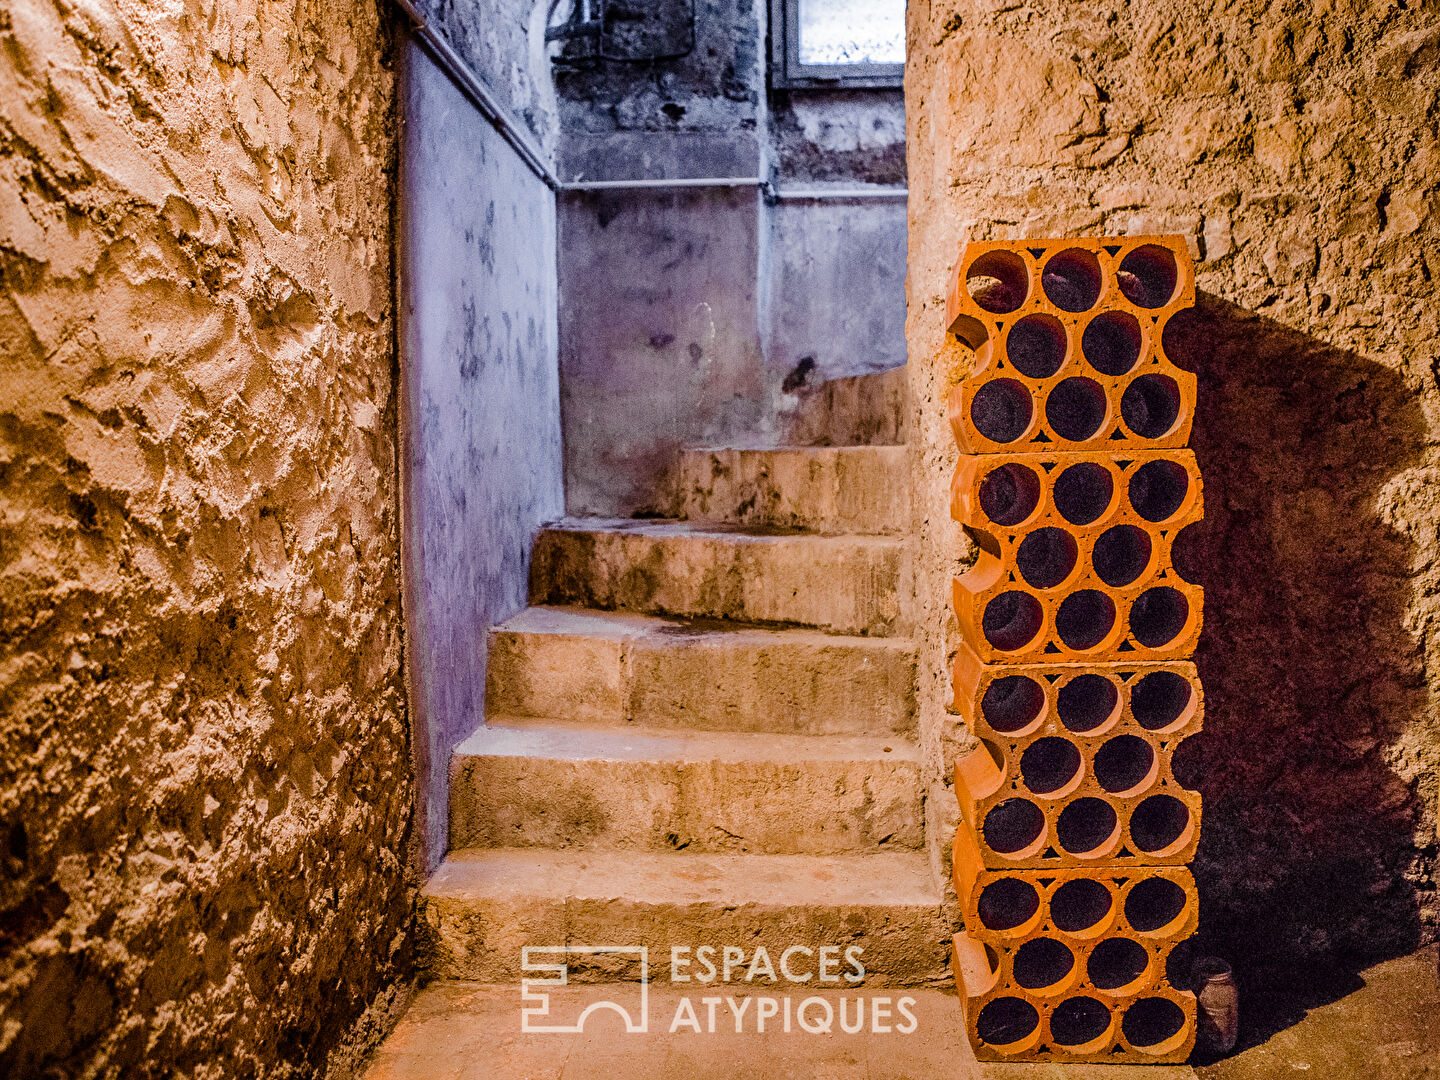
(1076, 622)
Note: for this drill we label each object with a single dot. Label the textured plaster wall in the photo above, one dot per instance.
(1296, 147)
(481, 405)
(204, 771)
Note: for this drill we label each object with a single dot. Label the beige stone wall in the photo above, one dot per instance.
(1295, 146)
(204, 772)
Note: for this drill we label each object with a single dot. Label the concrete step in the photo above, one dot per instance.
(862, 410)
(558, 785)
(821, 489)
(608, 668)
(483, 906)
(843, 584)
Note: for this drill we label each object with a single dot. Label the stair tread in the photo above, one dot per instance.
(595, 622)
(884, 878)
(669, 528)
(570, 741)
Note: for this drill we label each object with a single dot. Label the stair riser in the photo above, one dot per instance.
(481, 939)
(862, 410)
(705, 681)
(844, 585)
(818, 808)
(820, 490)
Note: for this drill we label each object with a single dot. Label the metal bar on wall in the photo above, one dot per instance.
(473, 87)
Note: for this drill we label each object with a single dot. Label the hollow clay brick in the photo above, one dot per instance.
(1045, 846)
(1055, 344)
(971, 680)
(983, 976)
(1034, 712)
(1020, 906)
(1075, 624)
(1151, 485)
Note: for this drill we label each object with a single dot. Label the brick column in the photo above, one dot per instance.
(1077, 622)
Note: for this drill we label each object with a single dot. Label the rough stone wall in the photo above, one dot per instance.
(204, 771)
(700, 114)
(1296, 147)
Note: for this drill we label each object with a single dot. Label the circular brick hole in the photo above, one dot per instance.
(1009, 494)
(1001, 410)
(1124, 763)
(998, 281)
(1153, 904)
(1111, 343)
(1049, 765)
(1086, 825)
(1012, 703)
(1007, 903)
(1071, 280)
(1013, 825)
(1036, 346)
(1160, 699)
(1121, 554)
(1158, 616)
(1159, 824)
(1079, 905)
(1079, 1020)
(1085, 618)
(1152, 1021)
(1158, 489)
(1006, 1020)
(1117, 962)
(1076, 408)
(1012, 620)
(1042, 963)
(1148, 276)
(1187, 553)
(1151, 405)
(1046, 557)
(1083, 492)
(1086, 702)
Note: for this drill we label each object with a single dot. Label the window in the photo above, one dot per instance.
(837, 43)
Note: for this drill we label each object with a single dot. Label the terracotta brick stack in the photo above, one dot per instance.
(1076, 622)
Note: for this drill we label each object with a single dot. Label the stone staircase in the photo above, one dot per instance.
(702, 731)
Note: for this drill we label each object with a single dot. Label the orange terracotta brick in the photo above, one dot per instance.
(1006, 908)
(1079, 556)
(1157, 827)
(1076, 622)
(1092, 700)
(1001, 498)
(1007, 621)
(1146, 1021)
(1068, 344)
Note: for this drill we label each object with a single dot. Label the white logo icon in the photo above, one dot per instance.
(535, 1007)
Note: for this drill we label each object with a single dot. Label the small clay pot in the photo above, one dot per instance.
(1218, 1017)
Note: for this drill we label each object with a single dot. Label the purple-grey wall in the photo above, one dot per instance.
(480, 392)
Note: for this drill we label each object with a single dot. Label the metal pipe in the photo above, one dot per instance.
(820, 194)
(656, 183)
(473, 87)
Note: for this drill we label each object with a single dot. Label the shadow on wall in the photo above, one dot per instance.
(1306, 862)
